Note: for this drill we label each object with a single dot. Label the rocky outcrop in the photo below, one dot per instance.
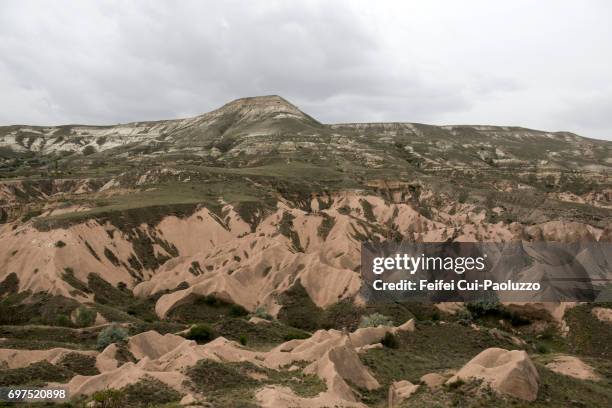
(400, 391)
(282, 397)
(433, 380)
(340, 367)
(573, 367)
(506, 372)
(331, 354)
(603, 314)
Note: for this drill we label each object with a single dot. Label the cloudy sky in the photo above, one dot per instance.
(544, 64)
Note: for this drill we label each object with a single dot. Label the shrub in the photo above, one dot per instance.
(261, 313)
(60, 244)
(108, 399)
(149, 392)
(296, 335)
(517, 320)
(201, 333)
(85, 317)
(483, 308)
(464, 316)
(63, 320)
(496, 309)
(237, 311)
(79, 363)
(243, 339)
(111, 334)
(390, 340)
(375, 320)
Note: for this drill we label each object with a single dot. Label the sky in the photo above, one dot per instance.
(537, 64)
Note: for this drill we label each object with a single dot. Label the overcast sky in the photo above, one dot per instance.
(539, 64)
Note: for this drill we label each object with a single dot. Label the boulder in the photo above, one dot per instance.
(602, 313)
(400, 391)
(433, 380)
(188, 399)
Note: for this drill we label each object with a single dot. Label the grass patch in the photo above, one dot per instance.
(588, 336)
(430, 348)
(79, 363)
(207, 308)
(36, 374)
(258, 335)
(236, 383)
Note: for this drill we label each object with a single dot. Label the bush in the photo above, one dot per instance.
(201, 333)
(149, 392)
(243, 339)
(542, 348)
(108, 399)
(237, 311)
(390, 340)
(375, 320)
(261, 313)
(497, 310)
(111, 334)
(85, 317)
(296, 335)
(60, 244)
(63, 320)
(79, 363)
(484, 308)
(464, 317)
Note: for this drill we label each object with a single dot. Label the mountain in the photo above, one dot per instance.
(249, 220)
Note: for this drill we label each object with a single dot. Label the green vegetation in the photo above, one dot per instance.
(589, 336)
(85, 317)
(206, 309)
(148, 392)
(10, 285)
(285, 227)
(368, 210)
(390, 340)
(79, 363)
(299, 310)
(295, 161)
(111, 334)
(327, 223)
(375, 320)
(234, 384)
(261, 335)
(68, 277)
(45, 337)
(261, 313)
(201, 333)
(439, 347)
(36, 374)
(495, 311)
(40, 308)
(121, 300)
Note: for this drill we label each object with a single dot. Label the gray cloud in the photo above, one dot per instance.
(340, 61)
